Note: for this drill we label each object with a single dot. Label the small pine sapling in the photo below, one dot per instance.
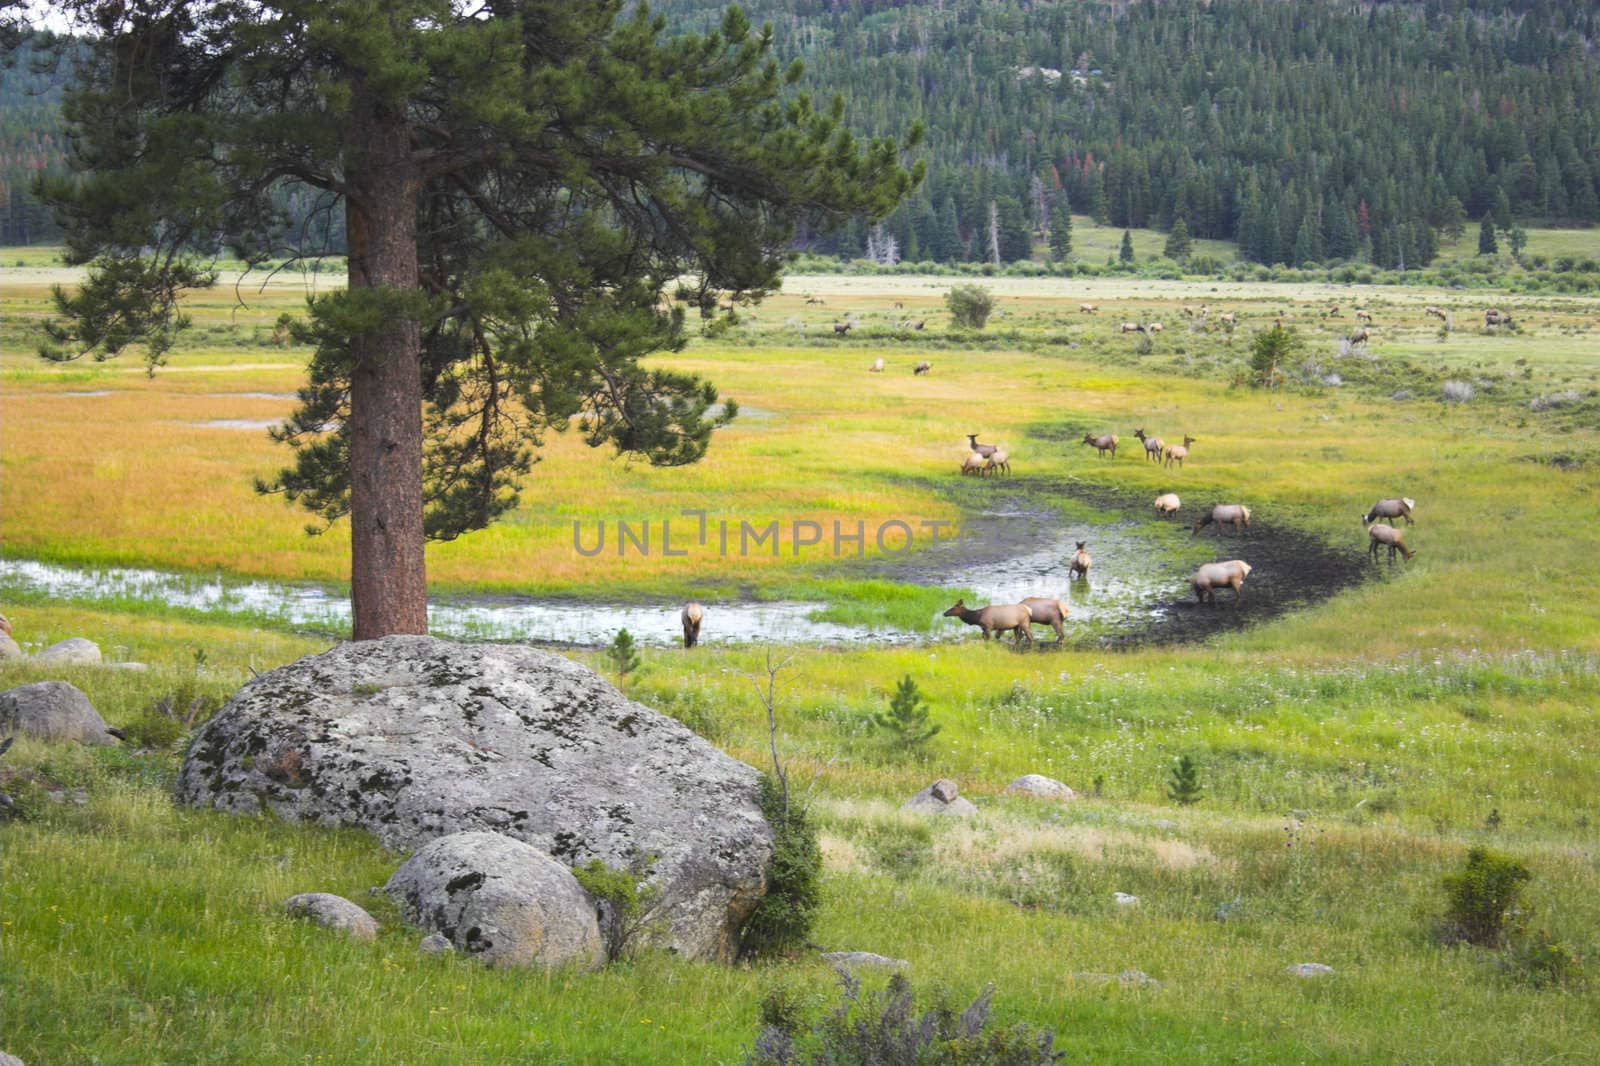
(1183, 787)
(907, 717)
(624, 656)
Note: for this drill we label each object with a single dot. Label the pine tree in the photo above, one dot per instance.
(1178, 244)
(1487, 245)
(624, 656)
(1183, 786)
(907, 718)
(518, 182)
(1061, 229)
(1125, 253)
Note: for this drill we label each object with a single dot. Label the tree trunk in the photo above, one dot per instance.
(388, 583)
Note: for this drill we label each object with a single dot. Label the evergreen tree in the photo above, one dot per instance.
(1178, 244)
(1502, 209)
(1125, 253)
(1487, 245)
(1016, 238)
(1061, 229)
(1454, 219)
(1518, 239)
(907, 718)
(519, 182)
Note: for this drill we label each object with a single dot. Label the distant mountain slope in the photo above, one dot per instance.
(1306, 130)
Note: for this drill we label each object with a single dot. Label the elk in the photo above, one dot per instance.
(1180, 452)
(1088, 309)
(1048, 612)
(1436, 312)
(876, 367)
(984, 450)
(841, 328)
(1332, 312)
(899, 305)
(917, 323)
(1381, 535)
(1167, 503)
(1212, 576)
(1391, 508)
(1153, 446)
(1186, 311)
(1132, 327)
(693, 614)
(996, 618)
(921, 368)
(1364, 315)
(1154, 327)
(1360, 336)
(1228, 318)
(1496, 317)
(816, 300)
(999, 462)
(1079, 566)
(1106, 442)
(973, 464)
(1236, 515)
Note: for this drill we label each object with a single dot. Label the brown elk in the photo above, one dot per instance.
(984, 450)
(1436, 312)
(1360, 336)
(1364, 315)
(899, 305)
(972, 464)
(1179, 452)
(1381, 535)
(1236, 515)
(693, 614)
(921, 368)
(1496, 317)
(1213, 576)
(1391, 508)
(1228, 318)
(841, 328)
(996, 618)
(1048, 612)
(1152, 445)
(1079, 567)
(1088, 309)
(1133, 327)
(1167, 503)
(998, 462)
(1106, 442)
(876, 367)
(816, 300)
(916, 323)
(1153, 327)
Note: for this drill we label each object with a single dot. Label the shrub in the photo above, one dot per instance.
(1564, 398)
(970, 305)
(783, 919)
(1457, 391)
(1539, 959)
(625, 898)
(885, 1029)
(1183, 787)
(1479, 896)
(1270, 351)
(907, 717)
(624, 655)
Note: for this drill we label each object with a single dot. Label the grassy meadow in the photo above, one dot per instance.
(1350, 752)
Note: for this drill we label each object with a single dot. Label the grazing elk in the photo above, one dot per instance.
(1048, 612)
(1106, 442)
(1380, 535)
(1496, 317)
(816, 300)
(1177, 453)
(1153, 446)
(996, 618)
(1391, 508)
(1228, 318)
(1153, 327)
(973, 463)
(1079, 567)
(693, 614)
(1088, 309)
(998, 462)
(1133, 327)
(921, 368)
(1236, 515)
(1436, 312)
(1360, 336)
(876, 367)
(1364, 315)
(1213, 576)
(1167, 503)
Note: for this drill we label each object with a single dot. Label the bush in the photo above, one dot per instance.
(1480, 895)
(907, 717)
(625, 898)
(1183, 787)
(1457, 391)
(970, 305)
(885, 1029)
(1539, 959)
(1270, 351)
(782, 921)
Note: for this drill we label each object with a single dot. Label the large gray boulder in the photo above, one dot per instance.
(502, 900)
(53, 710)
(334, 912)
(74, 651)
(414, 738)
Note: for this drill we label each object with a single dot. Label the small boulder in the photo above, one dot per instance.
(500, 899)
(74, 651)
(53, 710)
(1042, 787)
(1127, 978)
(10, 1060)
(10, 649)
(940, 798)
(334, 912)
(854, 960)
(1123, 899)
(1309, 969)
(435, 944)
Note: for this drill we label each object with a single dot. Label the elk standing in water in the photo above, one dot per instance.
(1180, 452)
(693, 615)
(996, 618)
(1048, 612)
(1152, 445)
(1213, 576)
(1236, 515)
(1106, 442)
(1396, 507)
(1080, 562)
(1380, 535)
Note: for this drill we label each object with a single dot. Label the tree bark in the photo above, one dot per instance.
(388, 581)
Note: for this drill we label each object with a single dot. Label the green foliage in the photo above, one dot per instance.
(624, 655)
(1537, 958)
(907, 717)
(1487, 245)
(1270, 350)
(1125, 253)
(970, 305)
(1061, 230)
(1183, 783)
(175, 714)
(626, 898)
(1179, 244)
(886, 1029)
(1480, 895)
(782, 921)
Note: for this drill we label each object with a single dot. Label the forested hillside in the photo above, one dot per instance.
(30, 141)
(1306, 131)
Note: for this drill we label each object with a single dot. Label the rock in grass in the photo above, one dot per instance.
(940, 798)
(334, 912)
(502, 900)
(53, 710)
(74, 651)
(10, 649)
(854, 960)
(10, 1060)
(435, 944)
(1041, 786)
(414, 738)
(1123, 899)
(1309, 969)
